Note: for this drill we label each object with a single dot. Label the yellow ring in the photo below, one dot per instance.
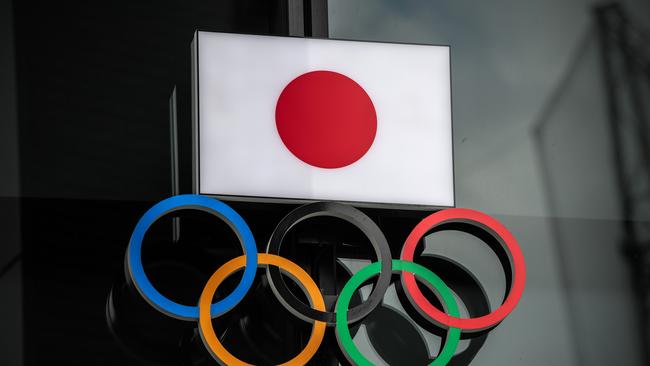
(206, 330)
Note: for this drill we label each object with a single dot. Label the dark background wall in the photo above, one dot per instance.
(9, 126)
(84, 90)
(94, 82)
(10, 269)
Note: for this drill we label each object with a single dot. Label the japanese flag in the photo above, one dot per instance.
(317, 119)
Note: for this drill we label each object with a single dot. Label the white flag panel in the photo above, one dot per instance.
(239, 152)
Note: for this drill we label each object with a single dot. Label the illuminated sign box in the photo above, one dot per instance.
(292, 119)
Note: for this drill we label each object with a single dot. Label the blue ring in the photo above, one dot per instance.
(207, 204)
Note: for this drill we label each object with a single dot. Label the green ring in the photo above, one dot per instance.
(343, 332)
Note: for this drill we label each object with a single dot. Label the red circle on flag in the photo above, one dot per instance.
(326, 119)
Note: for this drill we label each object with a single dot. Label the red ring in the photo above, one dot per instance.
(517, 260)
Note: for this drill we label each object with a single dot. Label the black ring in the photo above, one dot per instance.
(353, 216)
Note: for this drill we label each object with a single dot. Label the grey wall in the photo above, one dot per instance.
(517, 65)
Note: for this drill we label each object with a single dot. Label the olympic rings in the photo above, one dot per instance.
(135, 270)
(206, 330)
(343, 336)
(500, 240)
(481, 225)
(347, 213)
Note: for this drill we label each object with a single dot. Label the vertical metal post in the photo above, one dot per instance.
(316, 18)
(307, 18)
(614, 115)
(614, 38)
(639, 248)
(295, 18)
(173, 141)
